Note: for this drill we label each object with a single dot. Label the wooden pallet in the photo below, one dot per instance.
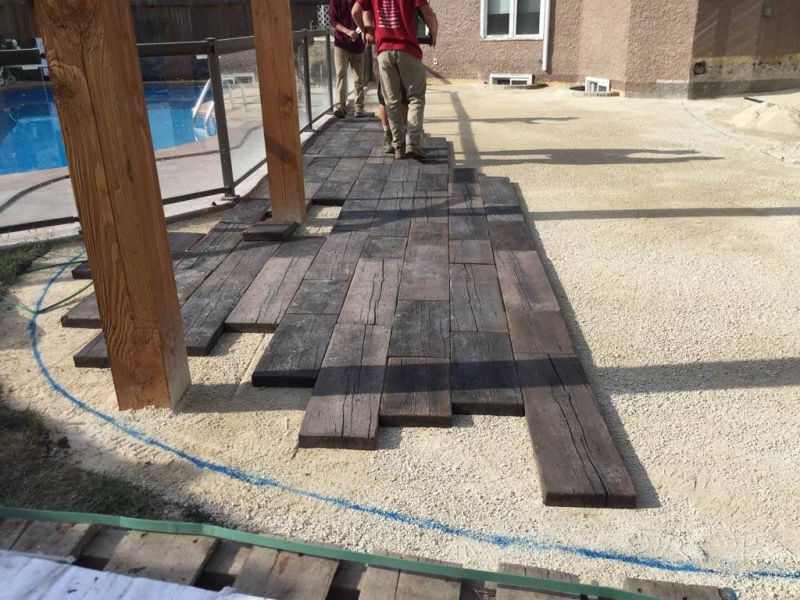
(214, 564)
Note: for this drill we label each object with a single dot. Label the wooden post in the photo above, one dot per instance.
(97, 85)
(272, 27)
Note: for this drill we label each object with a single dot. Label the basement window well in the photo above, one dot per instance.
(595, 84)
(496, 79)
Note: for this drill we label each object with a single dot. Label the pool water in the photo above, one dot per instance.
(30, 135)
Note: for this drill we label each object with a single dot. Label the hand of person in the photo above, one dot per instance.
(369, 39)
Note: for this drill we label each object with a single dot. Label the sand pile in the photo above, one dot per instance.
(770, 117)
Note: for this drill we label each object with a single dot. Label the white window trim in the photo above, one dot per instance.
(527, 78)
(544, 6)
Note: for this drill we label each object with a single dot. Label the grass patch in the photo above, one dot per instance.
(15, 261)
(35, 472)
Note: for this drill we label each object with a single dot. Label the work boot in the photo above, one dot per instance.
(416, 154)
(360, 113)
(388, 145)
(339, 112)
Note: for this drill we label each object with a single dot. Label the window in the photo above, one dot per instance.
(595, 84)
(506, 19)
(511, 79)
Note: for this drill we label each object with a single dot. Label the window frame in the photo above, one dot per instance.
(543, 6)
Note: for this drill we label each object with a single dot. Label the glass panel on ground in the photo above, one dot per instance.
(180, 107)
(528, 15)
(34, 184)
(498, 17)
(243, 110)
(320, 95)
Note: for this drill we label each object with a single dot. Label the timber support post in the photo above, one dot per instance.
(97, 84)
(272, 27)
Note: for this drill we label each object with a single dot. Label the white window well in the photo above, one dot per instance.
(512, 19)
(595, 84)
(502, 79)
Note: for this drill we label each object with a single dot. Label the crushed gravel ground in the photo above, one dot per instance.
(672, 242)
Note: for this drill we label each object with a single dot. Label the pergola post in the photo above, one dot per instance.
(97, 85)
(272, 27)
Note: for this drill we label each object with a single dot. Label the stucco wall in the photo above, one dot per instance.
(604, 39)
(659, 48)
(565, 40)
(462, 54)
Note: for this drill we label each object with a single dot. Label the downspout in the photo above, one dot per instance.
(546, 37)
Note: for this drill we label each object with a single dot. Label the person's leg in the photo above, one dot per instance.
(357, 63)
(388, 147)
(392, 88)
(413, 79)
(404, 107)
(341, 62)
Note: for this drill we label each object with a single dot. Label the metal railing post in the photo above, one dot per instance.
(222, 121)
(330, 68)
(309, 110)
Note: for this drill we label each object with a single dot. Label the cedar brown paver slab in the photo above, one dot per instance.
(421, 329)
(296, 351)
(160, 556)
(498, 191)
(428, 234)
(510, 235)
(524, 282)
(666, 590)
(416, 393)
(431, 206)
(538, 332)
(512, 593)
(471, 252)
(469, 227)
(372, 297)
(319, 297)
(385, 247)
(344, 407)
(579, 465)
(475, 300)
(338, 257)
(425, 273)
(483, 375)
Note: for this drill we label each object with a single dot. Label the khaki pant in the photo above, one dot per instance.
(342, 59)
(400, 70)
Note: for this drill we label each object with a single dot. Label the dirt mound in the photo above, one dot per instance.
(769, 117)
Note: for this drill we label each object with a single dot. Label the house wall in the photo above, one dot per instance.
(738, 49)
(604, 40)
(460, 52)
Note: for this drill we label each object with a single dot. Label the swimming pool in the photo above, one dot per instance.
(30, 135)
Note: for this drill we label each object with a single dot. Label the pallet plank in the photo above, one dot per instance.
(469, 227)
(344, 407)
(10, 530)
(478, 252)
(476, 303)
(372, 297)
(510, 235)
(538, 332)
(161, 556)
(296, 577)
(579, 465)
(338, 257)
(254, 575)
(55, 539)
(261, 308)
(512, 593)
(421, 329)
(295, 353)
(666, 590)
(425, 273)
(416, 393)
(483, 375)
(523, 281)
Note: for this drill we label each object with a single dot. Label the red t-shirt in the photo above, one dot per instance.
(395, 24)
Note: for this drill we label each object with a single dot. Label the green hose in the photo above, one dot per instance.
(389, 562)
(46, 309)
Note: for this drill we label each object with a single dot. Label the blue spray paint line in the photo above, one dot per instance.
(425, 523)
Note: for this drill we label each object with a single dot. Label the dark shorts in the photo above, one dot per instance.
(380, 95)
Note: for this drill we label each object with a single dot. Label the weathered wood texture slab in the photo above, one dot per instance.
(510, 235)
(475, 300)
(579, 465)
(296, 351)
(498, 191)
(483, 375)
(666, 590)
(269, 230)
(425, 273)
(469, 227)
(372, 297)
(524, 282)
(416, 393)
(464, 199)
(538, 332)
(160, 556)
(428, 234)
(344, 407)
(421, 329)
(512, 593)
(319, 297)
(385, 247)
(338, 257)
(471, 252)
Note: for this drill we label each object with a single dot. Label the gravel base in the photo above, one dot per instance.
(683, 307)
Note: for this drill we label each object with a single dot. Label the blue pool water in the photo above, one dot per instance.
(30, 135)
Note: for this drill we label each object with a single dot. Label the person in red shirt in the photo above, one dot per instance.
(400, 64)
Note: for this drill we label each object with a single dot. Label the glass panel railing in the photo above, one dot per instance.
(300, 77)
(319, 76)
(33, 174)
